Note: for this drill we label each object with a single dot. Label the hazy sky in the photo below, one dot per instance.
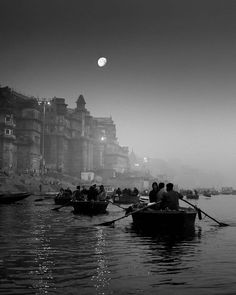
(169, 83)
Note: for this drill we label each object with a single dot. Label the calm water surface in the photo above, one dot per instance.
(49, 252)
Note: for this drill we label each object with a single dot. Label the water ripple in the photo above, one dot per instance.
(48, 252)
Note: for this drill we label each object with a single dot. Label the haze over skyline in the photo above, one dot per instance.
(169, 83)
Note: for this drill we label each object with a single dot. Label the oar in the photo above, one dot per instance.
(57, 208)
(116, 205)
(114, 220)
(198, 209)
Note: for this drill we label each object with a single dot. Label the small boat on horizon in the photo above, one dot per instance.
(12, 197)
(125, 199)
(192, 195)
(207, 195)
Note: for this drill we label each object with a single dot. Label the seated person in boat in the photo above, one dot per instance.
(170, 199)
(61, 193)
(92, 193)
(129, 192)
(77, 195)
(84, 192)
(102, 193)
(118, 191)
(125, 191)
(68, 191)
(161, 191)
(135, 191)
(153, 192)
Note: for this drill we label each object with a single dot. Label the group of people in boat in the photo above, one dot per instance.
(93, 193)
(165, 196)
(127, 191)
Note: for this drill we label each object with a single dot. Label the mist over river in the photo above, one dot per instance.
(56, 252)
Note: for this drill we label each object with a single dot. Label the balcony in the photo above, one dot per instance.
(10, 123)
(9, 136)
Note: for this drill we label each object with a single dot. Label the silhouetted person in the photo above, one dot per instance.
(135, 191)
(125, 191)
(102, 193)
(118, 191)
(92, 193)
(68, 191)
(153, 192)
(61, 192)
(84, 192)
(161, 191)
(170, 199)
(77, 194)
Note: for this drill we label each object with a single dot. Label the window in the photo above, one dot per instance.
(8, 131)
(8, 118)
(37, 139)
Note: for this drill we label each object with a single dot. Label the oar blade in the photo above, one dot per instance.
(224, 224)
(108, 223)
(55, 209)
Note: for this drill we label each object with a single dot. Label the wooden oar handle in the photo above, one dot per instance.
(141, 209)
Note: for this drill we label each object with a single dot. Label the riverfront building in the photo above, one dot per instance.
(45, 135)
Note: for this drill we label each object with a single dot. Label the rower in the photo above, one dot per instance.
(77, 194)
(153, 192)
(101, 193)
(170, 199)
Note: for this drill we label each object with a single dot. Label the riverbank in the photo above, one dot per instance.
(36, 184)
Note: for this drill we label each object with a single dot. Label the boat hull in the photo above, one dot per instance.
(62, 201)
(8, 198)
(207, 195)
(192, 197)
(90, 208)
(125, 199)
(163, 219)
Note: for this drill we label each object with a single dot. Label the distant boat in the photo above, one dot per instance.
(126, 198)
(207, 195)
(62, 199)
(191, 195)
(49, 195)
(8, 198)
(90, 207)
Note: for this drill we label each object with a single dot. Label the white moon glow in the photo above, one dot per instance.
(102, 61)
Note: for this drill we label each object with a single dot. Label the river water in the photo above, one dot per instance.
(48, 252)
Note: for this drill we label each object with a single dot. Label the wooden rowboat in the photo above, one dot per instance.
(62, 199)
(90, 207)
(151, 219)
(207, 195)
(8, 198)
(126, 199)
(192, 196)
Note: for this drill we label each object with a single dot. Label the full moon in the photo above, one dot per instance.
(102, 61)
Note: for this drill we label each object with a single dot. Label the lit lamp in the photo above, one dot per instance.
(145, 159)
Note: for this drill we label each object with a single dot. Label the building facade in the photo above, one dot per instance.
(20, 132)
(46, 135)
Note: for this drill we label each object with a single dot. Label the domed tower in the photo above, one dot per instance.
(80, 103)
